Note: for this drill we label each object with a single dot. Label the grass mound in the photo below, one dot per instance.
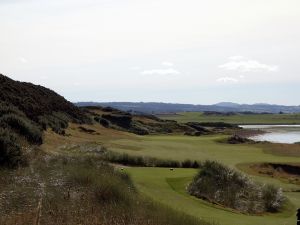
(220, 184)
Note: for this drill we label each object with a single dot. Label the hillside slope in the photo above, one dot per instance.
(35, 100)
(25, 111)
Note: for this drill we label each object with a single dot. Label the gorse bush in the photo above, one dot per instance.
(131, 160)
(220, 184)
(102, 121)
(10, 151)
(22, 126)
(56, 121)
(6, 108)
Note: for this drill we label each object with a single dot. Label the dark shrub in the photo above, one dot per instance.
(187, 163)
(123, 121)
(103, 122)
(10, 151)
(56, 121)
(198, 127)
(196, 164)
(217, 124)
(6, 108)
(22, 126)
(236, 139)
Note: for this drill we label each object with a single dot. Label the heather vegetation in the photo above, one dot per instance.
(220, 184)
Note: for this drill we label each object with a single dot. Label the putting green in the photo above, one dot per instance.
(168, 187)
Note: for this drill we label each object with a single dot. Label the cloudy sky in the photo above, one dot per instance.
(191, 51)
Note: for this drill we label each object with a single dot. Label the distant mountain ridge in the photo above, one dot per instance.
(158, 107)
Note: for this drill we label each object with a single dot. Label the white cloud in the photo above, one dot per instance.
(227, 80)
(23, 60)
(135, 68)
(169, 71)
(166, 63)
(239, 63)
(236, 57)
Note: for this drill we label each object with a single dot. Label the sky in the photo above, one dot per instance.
(191, 51)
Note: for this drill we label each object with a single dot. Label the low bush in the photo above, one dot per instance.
(131, 160)
(56, 121)
(120, 120)
(10, 151)
(217, 125)
(103, 122)
(220, 184)
(22, 126)
(236, 139)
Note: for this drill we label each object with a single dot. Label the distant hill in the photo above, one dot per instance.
(157, 107)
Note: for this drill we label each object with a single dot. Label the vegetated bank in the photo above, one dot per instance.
(25, 111)
(222, 185)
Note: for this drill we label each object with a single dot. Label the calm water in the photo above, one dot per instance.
(276, 133)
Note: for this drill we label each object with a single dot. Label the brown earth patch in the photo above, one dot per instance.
(282, 149)
(289, 172)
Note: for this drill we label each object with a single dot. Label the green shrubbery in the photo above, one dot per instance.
(56, 121)
(10, 151)
(131, 160)
(220, 184)
(102, 121)
(22, 126)
(15, 124)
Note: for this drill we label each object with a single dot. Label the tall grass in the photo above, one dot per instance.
(132, 160)
(80, 191)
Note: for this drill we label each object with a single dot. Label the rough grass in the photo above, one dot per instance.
(70, 190)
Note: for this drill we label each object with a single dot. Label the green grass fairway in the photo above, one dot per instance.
(235, 119)
(181, 147)
(168, 187)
